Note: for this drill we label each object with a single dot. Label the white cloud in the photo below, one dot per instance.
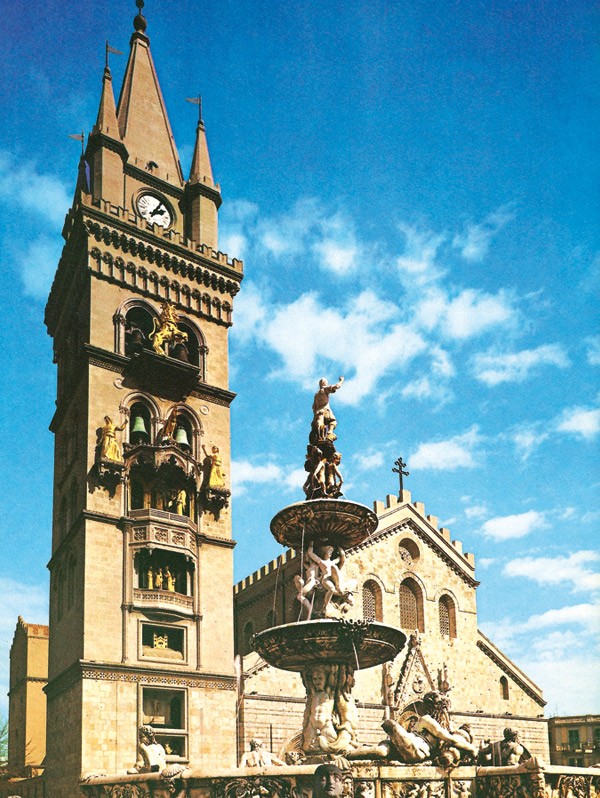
(456, 452)
(312, 339)
(367, 462)
(493, 368)
(568, 513)
(485, 562)
(42, 194)
(555, 672)
(335, 256)
(475, 241)
(593, 350)
(244, 473)
(471, 312)
(476, 511)
(513, 526)
(417, 263)
(527, 438)
(571, 568)
(580, 421)
(37, 265)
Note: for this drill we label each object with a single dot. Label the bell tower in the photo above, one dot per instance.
(141, 572)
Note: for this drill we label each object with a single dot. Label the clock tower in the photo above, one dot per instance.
(141, 570)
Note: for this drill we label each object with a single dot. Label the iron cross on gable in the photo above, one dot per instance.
(401, 473)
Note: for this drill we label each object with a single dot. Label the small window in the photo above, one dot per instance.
(371, 601)
(574, 738)
(408, 551)
(163, 642)
(504, 692)
(165, 711)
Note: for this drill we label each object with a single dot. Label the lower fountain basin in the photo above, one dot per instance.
(337, 521)
(361, 644)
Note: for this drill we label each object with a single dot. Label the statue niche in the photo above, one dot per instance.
(164, 571)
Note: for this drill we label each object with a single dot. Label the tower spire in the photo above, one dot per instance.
(201, 170)
(141, 112)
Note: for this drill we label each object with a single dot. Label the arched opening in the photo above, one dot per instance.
(184, 432)
(138, 326)
(504, 692)
(447, 616)
(371, 601)
(411, 605)
(408, 551)
(191, 351)
(140, 424)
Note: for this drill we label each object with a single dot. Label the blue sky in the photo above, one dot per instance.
(414, 193)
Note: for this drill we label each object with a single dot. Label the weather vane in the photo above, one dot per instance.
(401, 473)
(196, 101)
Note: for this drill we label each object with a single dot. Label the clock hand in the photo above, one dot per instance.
(158, 210)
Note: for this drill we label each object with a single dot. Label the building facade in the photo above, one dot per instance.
(412, 575)
(141, 628)
(26, 699)
(575, 740)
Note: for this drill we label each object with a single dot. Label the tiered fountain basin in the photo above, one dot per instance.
(337, 521)
(359, 644)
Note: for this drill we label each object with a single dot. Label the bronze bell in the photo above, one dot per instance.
(139, 433)
(180, 352)
(181, 438)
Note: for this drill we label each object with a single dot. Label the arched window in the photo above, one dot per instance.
(137, 493)
(193, 347)
(371, 601)
(408, 551)
(184, 432)
(411, 605)
(447, 614)
(504, 694)
(140, 424)
(138, 326)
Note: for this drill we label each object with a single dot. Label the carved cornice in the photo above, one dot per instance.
(152, 677)
(153, 181)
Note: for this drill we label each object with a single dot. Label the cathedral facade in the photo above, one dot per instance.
(412, 575)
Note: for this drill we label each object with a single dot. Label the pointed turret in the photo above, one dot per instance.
(107, 113)
(203, 197)
(141, 113)
(106, 153)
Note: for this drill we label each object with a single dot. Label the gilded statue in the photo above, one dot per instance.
(167, 331)
(109, 448)
(216, 478)
(158, 579)
(150, 575)
(169, 579)
(168, 430)
(179, 501)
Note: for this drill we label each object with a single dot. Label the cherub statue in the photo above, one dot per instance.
(324, 422)
(329, 568)
(109, 448)
(167, 331)
(259, 757)
(333, 477)
(306, 584)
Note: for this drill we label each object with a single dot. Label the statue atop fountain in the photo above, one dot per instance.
(325, 647)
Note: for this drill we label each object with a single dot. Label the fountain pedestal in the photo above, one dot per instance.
(325, 649)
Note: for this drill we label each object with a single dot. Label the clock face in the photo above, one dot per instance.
(154, 210)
